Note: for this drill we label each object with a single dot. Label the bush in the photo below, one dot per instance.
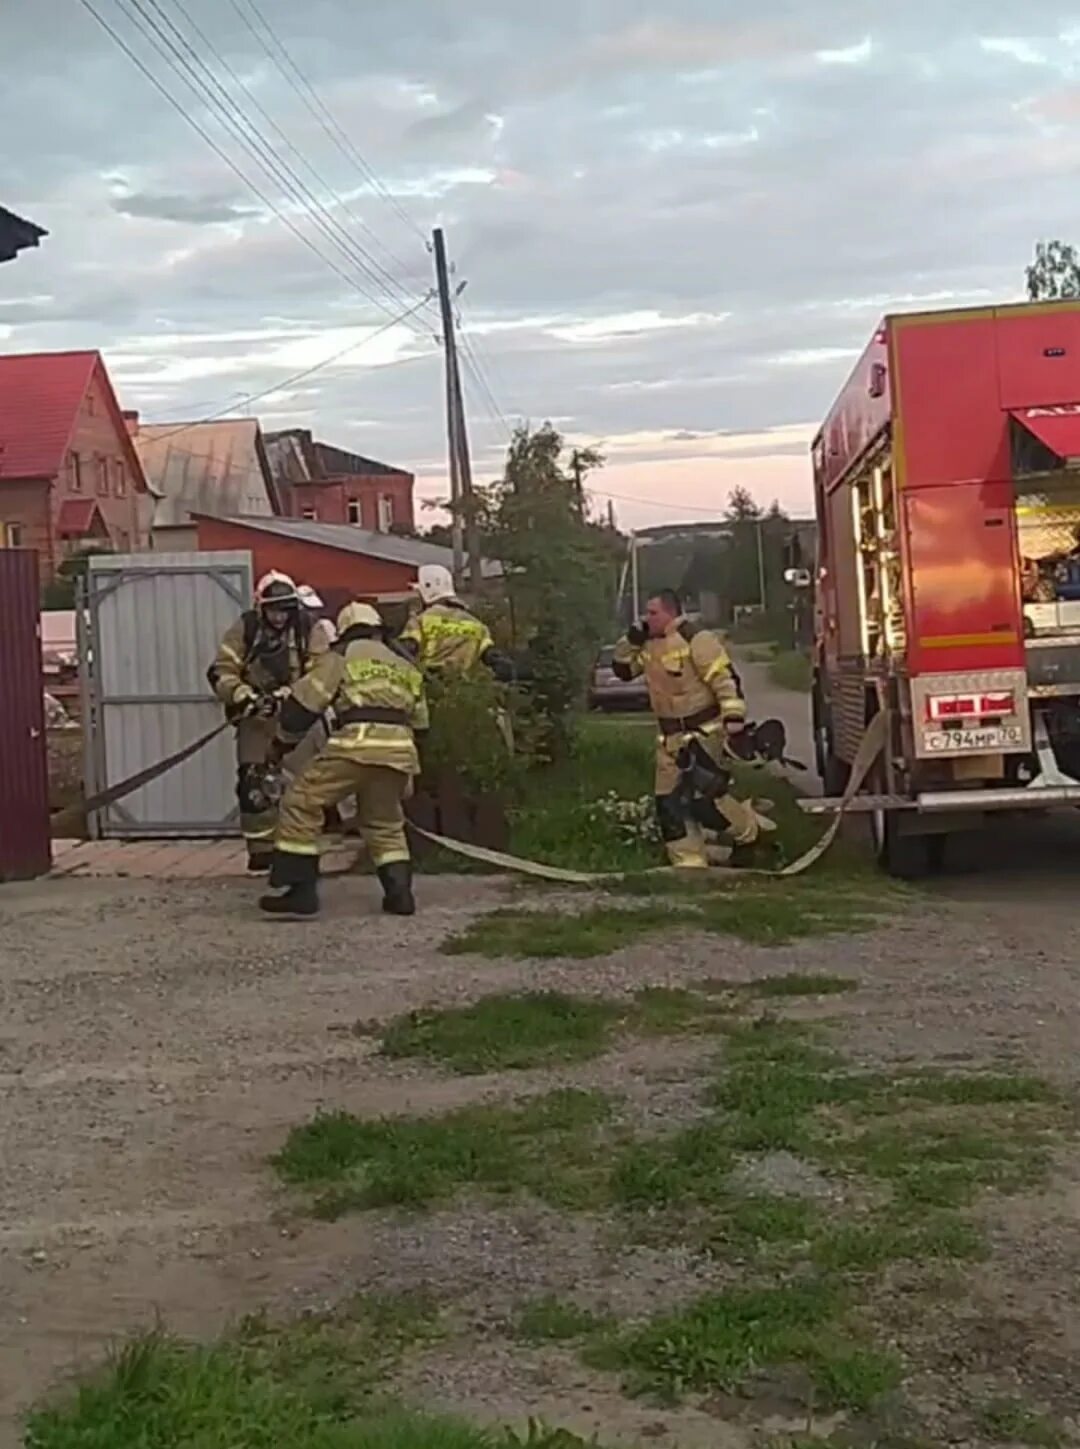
(791, 670)
(470, 714)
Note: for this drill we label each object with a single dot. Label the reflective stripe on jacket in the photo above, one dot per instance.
(447, 636)
(687, 671)
(361, 673)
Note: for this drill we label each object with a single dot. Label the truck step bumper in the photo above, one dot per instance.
(941, 802)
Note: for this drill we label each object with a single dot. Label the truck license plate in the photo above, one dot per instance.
(983, 741)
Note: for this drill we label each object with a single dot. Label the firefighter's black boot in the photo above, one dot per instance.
(396, 880)
(297, 902)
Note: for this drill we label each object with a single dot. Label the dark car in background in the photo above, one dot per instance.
(608, 692)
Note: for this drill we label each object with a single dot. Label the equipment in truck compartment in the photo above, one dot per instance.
(951, 425)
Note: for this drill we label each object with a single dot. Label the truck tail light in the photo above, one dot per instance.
(992, 705)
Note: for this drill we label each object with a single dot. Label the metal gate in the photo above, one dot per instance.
(25, 847)
(149, 627)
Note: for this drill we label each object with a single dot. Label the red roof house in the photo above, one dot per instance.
(69, 473)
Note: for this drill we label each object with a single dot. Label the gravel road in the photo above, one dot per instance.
(157, 1042)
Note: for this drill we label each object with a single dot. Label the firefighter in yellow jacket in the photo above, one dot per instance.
(444, 635)
(696, 698)
(377, 703)
(268, 648)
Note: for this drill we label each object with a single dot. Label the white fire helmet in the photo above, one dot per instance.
(357, 613)
(286, 594)
(308, 597)
(434, 582)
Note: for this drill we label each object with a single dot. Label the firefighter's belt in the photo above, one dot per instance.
(370, 714)
(669, 726)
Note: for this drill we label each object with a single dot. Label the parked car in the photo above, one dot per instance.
(607, 691)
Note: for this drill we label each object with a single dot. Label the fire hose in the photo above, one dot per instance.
(869, 748)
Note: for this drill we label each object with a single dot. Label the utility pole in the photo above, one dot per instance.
(576, 470)
(635, 580)
(461, 487)
(761, 565)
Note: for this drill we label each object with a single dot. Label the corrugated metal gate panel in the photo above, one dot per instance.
(155, 622)
(25, 847)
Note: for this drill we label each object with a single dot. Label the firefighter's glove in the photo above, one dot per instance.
(638, 633)
(770, 740)
(243, 705)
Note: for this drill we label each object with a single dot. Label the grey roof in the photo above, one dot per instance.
(217, 468)
(388, 546)
(296, 457)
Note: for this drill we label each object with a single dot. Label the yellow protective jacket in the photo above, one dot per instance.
(446, 636)
(688, 674)
(378, 702)
(252, 660)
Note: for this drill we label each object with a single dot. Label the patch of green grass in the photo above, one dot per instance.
(505, 1033)
(719, 1340)
(769, 1219)
(554, 1320)
(554, 822)
(864, 1247)
(671, 1010)
(1011, 1421)
(797, 983)
(159, 1393)
(522, 934)
(690, 1166)
(852, 1378)
(546, 1146)
(929, 1163)
(761, 912)
(978, 1089)
(791, 669)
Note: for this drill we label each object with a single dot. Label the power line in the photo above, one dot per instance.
(205, 85)
(472, 364)
(318, 108)
(299, 376)
(214, 145)
(379, 273)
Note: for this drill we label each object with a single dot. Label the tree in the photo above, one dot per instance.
(61, 592)
(558, 562)
(1055, 272)
(741, 505)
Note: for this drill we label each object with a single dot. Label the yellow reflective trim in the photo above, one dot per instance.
(389, 857)
(228, 652)
(715, 668)
(290, 847)
(402, 674)
(961, 641)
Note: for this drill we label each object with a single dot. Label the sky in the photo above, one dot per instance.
(675, 225)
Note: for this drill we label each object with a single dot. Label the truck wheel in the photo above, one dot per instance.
(907, 857)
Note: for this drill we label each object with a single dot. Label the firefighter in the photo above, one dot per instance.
(262, 654)
(697, 701)
(378, 703)
(444, 635)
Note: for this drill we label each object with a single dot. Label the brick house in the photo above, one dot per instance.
(322, 484)
(69, 475)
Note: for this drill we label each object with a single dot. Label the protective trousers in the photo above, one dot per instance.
(323, 783)
(683, 836)
(253, 740)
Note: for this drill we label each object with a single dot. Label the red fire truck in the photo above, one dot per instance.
(947, 490)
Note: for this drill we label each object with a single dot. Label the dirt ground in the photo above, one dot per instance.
(157, 1043)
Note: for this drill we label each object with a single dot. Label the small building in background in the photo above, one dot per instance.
(70, 478)
(340, 561)
(218, 468)
(324, 484)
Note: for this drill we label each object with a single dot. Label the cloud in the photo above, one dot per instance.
(678, 224)
(195, 210)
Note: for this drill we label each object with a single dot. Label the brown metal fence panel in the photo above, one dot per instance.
(25, 849)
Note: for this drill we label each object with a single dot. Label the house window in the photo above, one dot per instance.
(103, 477)
(355, 515)
(121, 481)
(75, 473)
(307, 513)
(14, 535)
(386, 513)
